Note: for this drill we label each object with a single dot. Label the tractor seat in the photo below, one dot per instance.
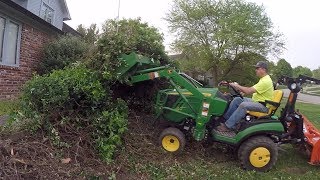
(272, 105)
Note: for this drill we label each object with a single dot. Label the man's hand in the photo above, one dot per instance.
(235, 85)
(245, 90)
(223, 83)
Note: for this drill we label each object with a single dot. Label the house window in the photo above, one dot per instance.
(9, 41)
(47, 13)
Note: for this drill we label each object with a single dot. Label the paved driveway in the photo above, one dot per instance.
(304, 97)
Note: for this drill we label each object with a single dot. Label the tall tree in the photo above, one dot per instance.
(90, 34)
(316, 73)
(244, 73)
(271, 69)
(300, 70)
(214, 33)
(283, 68)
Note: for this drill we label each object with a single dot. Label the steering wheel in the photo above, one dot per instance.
(235, 92)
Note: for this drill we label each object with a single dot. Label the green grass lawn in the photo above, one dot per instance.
(311, 111)
(7, 106)
(313, 89)
(282, 87)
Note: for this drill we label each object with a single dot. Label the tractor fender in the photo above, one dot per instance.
(274, 135)
(268, 129)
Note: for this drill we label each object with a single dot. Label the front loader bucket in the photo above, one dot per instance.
(133, 62)
(312, 135)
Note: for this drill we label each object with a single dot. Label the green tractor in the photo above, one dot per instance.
(192, 110)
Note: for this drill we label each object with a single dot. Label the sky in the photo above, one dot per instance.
(297, 20)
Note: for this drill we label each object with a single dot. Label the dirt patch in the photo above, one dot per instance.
(31, 156)
(3, 119)
(293, 170)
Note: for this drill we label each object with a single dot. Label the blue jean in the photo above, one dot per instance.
(238, 109)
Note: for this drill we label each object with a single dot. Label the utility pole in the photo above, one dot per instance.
(118, 18)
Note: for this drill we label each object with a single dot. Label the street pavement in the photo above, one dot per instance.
(303, 97)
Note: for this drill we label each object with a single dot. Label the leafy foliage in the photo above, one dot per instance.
(90, 34)
(61, 53)
(300, 70)
(316, 73)
(283, 68)
(109, 127)
(124, 37)
(242, 71)
(214, 33)
(75, 98)
(48, 94)
(271, 68)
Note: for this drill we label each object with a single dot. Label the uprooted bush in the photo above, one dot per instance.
(85, 98)
(124, 37)
(62, 52)
(73, 100)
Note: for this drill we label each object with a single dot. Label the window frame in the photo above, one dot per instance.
(3, 34)
(43, 4)
(18, 43)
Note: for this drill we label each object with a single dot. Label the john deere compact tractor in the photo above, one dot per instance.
(193, 110)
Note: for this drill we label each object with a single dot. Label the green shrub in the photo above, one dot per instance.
(61, 53)
(109, 127)
(124, 37)
(68, 89)
(74, 98)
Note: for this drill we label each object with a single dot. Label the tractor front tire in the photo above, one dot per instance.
(258, 153)
(172, 140)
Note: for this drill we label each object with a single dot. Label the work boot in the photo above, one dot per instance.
(221, 120)
(223, 128)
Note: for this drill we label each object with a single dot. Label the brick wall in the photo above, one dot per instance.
(12, 78)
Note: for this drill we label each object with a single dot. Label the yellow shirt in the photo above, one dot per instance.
(264, 89)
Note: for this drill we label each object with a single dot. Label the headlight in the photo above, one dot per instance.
(293, 86)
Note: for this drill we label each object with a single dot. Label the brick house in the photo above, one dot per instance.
(25, 27)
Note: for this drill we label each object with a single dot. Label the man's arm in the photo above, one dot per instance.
(246, 90)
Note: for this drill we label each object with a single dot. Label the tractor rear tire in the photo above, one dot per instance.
(172, 140)
(258, 153)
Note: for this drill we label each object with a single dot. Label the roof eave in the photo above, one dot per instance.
(26, 12)
(67, 17)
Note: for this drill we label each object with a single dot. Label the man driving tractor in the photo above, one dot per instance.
(189, 109)
(261, 92)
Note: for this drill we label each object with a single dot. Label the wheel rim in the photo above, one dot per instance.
(170, 143)
(260, 157)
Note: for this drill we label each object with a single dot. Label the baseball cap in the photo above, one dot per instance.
(261, 64)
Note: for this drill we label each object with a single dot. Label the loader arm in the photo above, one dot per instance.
(168, 73)
(140, 68)
(175, 79)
